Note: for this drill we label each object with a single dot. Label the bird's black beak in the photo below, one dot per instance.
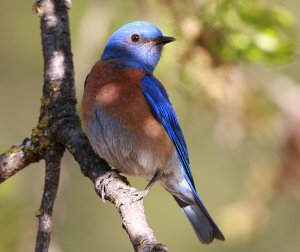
(162, 40)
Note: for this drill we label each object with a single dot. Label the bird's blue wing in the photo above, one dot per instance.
(162, 109)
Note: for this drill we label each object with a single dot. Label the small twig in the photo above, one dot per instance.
(53, 157)
(19, 156)
(30, 150)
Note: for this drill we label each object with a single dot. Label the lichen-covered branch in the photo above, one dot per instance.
(30, 150)
(53, 157)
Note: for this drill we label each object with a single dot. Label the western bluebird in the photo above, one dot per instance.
(131, 123)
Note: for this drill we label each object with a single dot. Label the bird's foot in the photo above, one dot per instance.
(138, 195)
(107, 178)
(123, 178)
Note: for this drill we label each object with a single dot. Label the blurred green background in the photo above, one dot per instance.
(233, 76)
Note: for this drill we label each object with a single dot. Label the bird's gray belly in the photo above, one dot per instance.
(120, 149)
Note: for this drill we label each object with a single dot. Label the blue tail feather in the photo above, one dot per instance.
(204, 226)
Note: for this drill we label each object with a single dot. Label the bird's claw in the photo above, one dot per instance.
(106, 178)
(138, 195)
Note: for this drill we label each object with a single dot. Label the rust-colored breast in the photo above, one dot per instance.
(118, 93)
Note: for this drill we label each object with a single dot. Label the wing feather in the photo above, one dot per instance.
(162, 109)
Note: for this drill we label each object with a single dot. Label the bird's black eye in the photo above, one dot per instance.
(135, 38)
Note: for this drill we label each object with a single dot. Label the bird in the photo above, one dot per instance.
(130, 121)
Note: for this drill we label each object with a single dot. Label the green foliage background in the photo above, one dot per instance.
(236, 134)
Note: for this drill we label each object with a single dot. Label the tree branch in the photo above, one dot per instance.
(116, 189)
(30, 150)
(53, 157)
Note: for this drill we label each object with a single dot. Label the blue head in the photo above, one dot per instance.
(137, 45)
